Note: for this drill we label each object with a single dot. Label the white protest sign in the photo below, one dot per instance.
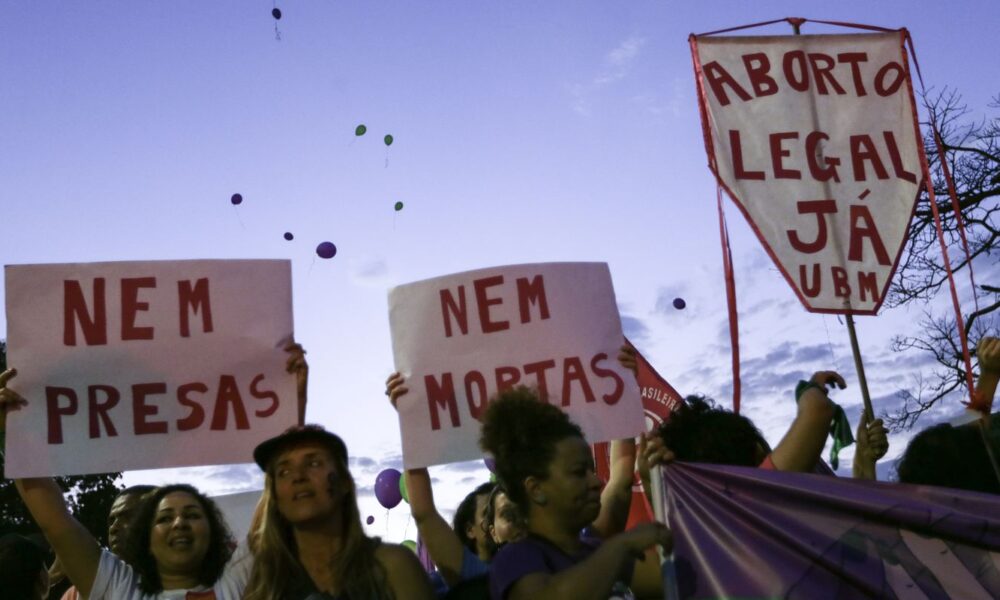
(459, 339)
(136, 365)
(815, 138)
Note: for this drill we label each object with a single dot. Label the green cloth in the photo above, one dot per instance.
(840, 427)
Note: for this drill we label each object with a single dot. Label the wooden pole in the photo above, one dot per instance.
(859, 366)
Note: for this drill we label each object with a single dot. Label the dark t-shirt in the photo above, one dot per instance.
(537, 555)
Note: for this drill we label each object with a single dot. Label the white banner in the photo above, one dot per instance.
(137, 365)
(815, 139)
(458, 339)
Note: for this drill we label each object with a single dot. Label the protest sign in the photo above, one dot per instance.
(815, 139)
(659, 400)
(134, 365)
(755, 533)
(459, 339)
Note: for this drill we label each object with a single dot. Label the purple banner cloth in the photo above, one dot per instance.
(753, 533)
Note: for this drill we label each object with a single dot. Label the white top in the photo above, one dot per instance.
(115, 580)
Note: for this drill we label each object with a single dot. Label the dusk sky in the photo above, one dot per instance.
(523, 132)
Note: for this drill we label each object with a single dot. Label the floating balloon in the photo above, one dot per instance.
(411, 545)
(388, 140)
(326, 250)
(403, 492)
(398, 206)
(387, 488)
(276, 13)
(370, 519)
(491, 464)
(236, 199)
(289, 236)
(679, 303)
(360, 130)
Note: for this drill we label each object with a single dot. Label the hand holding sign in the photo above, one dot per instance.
(9, 399)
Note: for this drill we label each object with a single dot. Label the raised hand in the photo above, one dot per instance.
(395, 386)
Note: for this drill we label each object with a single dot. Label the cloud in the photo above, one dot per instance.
(617, 64)
(469, 466)
(634, 329)
(366, 270)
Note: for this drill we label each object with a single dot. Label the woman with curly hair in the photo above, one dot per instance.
(310, 543)
(547, 469)
(178, 538)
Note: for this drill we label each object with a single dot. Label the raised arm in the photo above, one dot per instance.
(988, 353)
(616, 497)
(802, 445)
(297, 365)
(441, 541)
(75, 547)
(594, 577)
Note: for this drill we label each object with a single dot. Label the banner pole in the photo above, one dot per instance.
(667, 568)
(859, 366)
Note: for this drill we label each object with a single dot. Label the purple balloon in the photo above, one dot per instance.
(289, 236)
(491, 464)
(326, 250)
(236, 199)
(370, 519)
(387, 488)
(679, 303)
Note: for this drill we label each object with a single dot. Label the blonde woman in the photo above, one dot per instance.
(310, 544)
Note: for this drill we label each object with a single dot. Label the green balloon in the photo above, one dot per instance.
(403, 491)
(388, 140)
(360, 130)
(399, 206)
(411, 545)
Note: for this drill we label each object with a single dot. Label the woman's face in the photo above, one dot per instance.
(572, 490)
(507, 524)
(475, 530)
(307, 485)
(180, 535)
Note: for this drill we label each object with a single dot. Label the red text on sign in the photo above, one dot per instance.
(454, 308)
(192, 298)
(102, 401)
(577, 378)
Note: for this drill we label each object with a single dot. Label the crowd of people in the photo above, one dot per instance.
(549, 527)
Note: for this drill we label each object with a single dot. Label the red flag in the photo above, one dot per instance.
(659, 400)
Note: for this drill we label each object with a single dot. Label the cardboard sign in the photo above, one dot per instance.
(815, 138)
(459, 339)
(137, 365)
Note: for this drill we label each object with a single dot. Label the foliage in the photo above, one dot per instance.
(972, 154)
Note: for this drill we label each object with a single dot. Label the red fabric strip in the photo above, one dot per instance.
(955, 206)
(734, 327)
(974, 402)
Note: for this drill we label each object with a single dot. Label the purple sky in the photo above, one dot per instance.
(524, 132)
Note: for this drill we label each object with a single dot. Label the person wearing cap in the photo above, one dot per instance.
(310, 544)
